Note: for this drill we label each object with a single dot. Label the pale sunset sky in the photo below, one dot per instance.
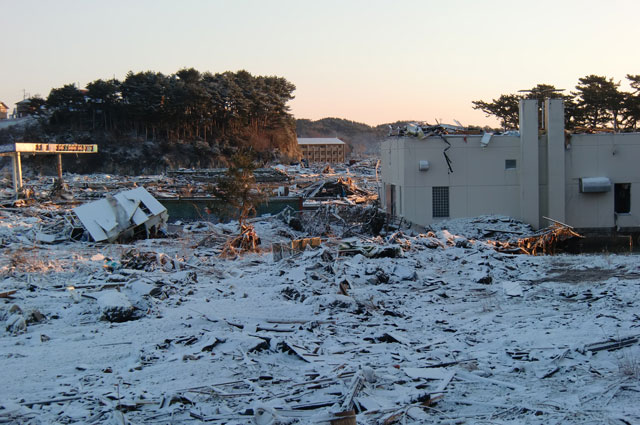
(370, 61)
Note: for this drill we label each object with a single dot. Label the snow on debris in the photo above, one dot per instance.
(444, 331)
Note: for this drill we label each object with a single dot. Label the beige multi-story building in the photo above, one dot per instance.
(321, 149)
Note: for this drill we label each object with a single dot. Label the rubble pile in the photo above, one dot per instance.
(262, 175)
(399, 327)
(339, 187)
(544, 242)
(343, 220)
(246, 241)
(358, 182)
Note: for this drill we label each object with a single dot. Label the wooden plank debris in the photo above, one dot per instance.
(50, 401)
(466, 376)
(289, 347)
(8, 294)
(348, 417)
(445, 364)
(543, 242)
(293, 248)
(610, 345)
(357, 383)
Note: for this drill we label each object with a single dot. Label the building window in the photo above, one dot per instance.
(390, 195)
(622, 198)
(510, 164)
(440, 201)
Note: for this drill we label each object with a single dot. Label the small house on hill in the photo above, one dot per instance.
(4, 111)
(23, 108)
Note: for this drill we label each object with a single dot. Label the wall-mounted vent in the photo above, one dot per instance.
(595, 184)
(423, 165)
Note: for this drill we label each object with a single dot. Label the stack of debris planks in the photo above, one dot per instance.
(543, 242)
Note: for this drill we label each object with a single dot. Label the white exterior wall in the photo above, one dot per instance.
(479, 184)
(616, 156)
(556, 169)
(529, 160)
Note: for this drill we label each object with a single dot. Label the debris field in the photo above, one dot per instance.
(404, 327)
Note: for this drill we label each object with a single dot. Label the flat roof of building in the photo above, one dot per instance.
(319, 141)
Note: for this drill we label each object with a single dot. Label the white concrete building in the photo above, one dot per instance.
(590, 181)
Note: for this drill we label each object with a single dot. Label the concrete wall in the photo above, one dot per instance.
(529, 164)
(616, 156)
(479, 184)
(555, 172)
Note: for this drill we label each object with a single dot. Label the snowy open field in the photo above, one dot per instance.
(451, 332)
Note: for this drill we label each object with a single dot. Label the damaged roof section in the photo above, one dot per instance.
(122, 215)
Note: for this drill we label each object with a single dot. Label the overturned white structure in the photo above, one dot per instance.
(590, 181)
(122, 215)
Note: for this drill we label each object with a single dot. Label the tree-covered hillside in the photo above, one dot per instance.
(155, 121)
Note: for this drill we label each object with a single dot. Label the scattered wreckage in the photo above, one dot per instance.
(546, 241)
(339, 188)
(124, 216)
(213, 175)
(333, 334)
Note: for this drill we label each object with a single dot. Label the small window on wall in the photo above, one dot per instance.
(510, 164)
(622, 198)
(390, 195)
(440, 201)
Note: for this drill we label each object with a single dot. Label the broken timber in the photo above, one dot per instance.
(543, 242)
(610, 345)
(297, 246)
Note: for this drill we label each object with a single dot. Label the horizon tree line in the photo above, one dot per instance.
(597, 103)
(185, 105)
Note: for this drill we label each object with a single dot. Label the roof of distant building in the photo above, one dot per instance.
(4, 105)
(319, 141)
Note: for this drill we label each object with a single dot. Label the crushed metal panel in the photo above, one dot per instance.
(140, 205)
(109, 218)
(141, 194)
(486, 138)
(98, 218)
(130, 206)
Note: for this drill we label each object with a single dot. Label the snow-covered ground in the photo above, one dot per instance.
(15, 121)
(451, 332)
